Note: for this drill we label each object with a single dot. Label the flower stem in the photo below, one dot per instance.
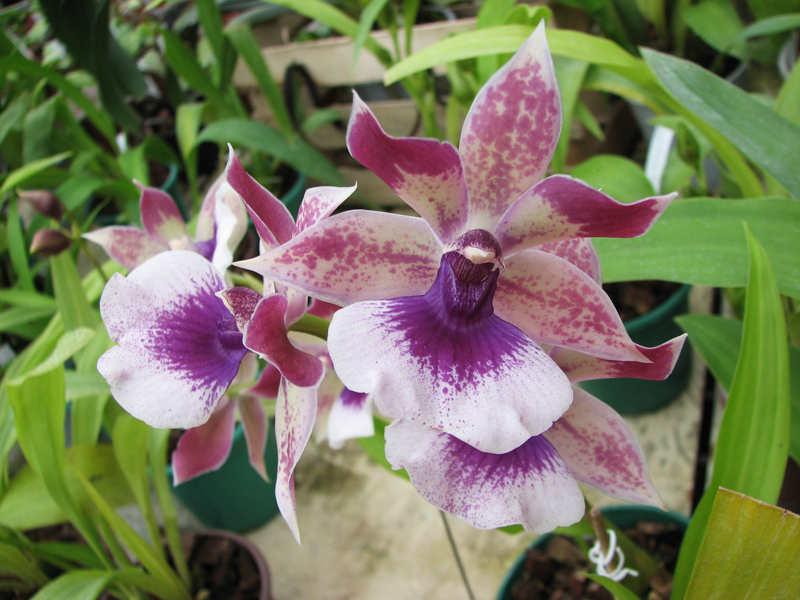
(312, 325)
(456, 555)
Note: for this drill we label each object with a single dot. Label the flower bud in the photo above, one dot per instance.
(49, 242)
(45, 202)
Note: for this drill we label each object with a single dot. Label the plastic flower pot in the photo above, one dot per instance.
(631, 396)
(623, 516)
(234, 497)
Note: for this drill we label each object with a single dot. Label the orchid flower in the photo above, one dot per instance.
(264, 322)
(220, 227)
(467, 324)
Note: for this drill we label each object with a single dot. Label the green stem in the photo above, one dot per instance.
(312, 325)
(456, 555)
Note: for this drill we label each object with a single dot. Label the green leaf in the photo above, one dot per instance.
(246, 45)
(368, 17)
(788, 101)
(761, 134)
(620, 591)
(17, 249)
(718, 24)
(188, 119)
(76, 585)
(717, 340)
(87, 410)
(38, 132)
(26, 172)
(84, 384)
(186, 66)
(374, 446)
(19, 315)
(700, 241)
(749, 551)
(70, 297)
(211, 21)
(263, 138)
(570, 74)
(751, 450)
(14, 562)
(30, 299)
(771, 25)
(617, 176)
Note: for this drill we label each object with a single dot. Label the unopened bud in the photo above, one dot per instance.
(49, 242)
(45, 202)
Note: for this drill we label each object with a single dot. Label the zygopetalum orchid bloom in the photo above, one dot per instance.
(220, 227)
(465, 325)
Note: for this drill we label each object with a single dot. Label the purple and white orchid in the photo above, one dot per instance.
(220, 227)
(468, 324)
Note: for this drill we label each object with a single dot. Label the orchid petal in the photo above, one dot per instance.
(272, 219)
(129, 246)
(579, 252)
(256, 428)
(474, 376)
(268, 383)
(266, 334)
(241, 302)
(204, 448)
(323, 310)
(510, 132)
(561, 208)
(298, 303)
(206, 226)
(582, 367)
(601, 451)
(355, 255)
(230, 217)
(161, 218)
(530, 485)
(178, 347)
(319, 203)
(294, 421)
(350, 418)
(554, 302)
(426, 173)
(327, 393)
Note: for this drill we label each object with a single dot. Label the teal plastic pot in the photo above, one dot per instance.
(631, 396)
(234, 497)
(624, 517)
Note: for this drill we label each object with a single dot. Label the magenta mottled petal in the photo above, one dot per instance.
(472, 375)
(179, 348)
(554, 302)
(426, 173)
(161, 218)
(581, 367)
(242, 302)
(272, 219)
(511, 132)
(204, 448)
(356, 255)
(256, 427)
(350, 418)
(579, 252)
(319, 203)
(530, 485)
(294, 421)
(268, 383)
(561, 208)
(601, 451)
(323, 310)
(129, 246)
(266, 335)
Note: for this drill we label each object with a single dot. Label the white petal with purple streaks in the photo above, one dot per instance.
(510, 132)
(319, 203)
(179, 348)
(350, 418)
(601, 451)
(530, 486)
(129, 246)
(355, 255)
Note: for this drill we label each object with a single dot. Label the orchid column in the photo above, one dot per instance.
(468, 324)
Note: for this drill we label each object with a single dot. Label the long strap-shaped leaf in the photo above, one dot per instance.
(751, 451)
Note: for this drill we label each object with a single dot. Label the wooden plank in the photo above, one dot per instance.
(330, 61)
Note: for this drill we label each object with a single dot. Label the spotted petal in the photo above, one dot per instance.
(440, 363)
(355, 255)
(179, 349)
(561, 208)
(256, 428)
(129, 246)
(161, 218)
(554, 302)
(530, 485)
(510, 132)
(426, 173)
(295, 410)
(204, 448)
(319, 203)
(601, 451)
(579, 252)
(582, 367)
